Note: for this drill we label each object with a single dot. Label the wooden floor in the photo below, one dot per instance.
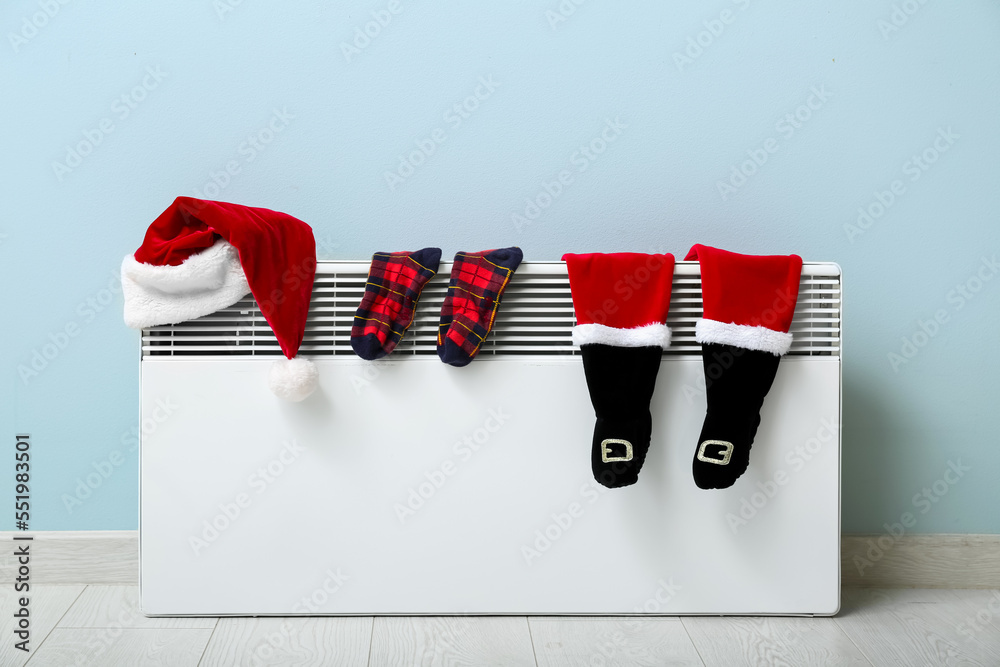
(101, 626)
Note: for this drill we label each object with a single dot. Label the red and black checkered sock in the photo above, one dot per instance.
(391, 292)
(478, 280)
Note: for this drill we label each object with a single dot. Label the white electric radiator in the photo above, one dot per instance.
(406, 486)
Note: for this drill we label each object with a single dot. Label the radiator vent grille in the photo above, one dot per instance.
(535, 318)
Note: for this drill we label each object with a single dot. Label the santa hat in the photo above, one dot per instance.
(621, 302)
(748, 304)
(621, 299)
(200, 256)
(748, 300)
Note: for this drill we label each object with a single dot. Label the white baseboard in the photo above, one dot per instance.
(870, 561)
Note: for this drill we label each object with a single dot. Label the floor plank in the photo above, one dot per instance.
(771, 641)
(914, 627)
(614, 642)
(452, 640)
(102, 626)
(256, 642)
(118, 607)
(46, 605)
(102, 647)
(983, 612)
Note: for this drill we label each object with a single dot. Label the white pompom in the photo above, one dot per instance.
(293, 379)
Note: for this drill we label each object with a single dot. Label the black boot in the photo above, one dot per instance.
(621, 382)
(736, 381)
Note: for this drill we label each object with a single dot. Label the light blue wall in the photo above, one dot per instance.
(655, 187)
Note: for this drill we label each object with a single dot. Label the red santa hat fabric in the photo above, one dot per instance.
(621, 299)
(748, 300)
(199, 256)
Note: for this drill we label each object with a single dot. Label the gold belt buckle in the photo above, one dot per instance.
(727, 452)
(605, 452)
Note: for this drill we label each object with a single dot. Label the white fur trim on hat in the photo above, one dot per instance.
(748, 337)
(293, 379)
(202, 284)
(644, 336)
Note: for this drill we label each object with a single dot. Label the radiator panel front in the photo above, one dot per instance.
(325, 524)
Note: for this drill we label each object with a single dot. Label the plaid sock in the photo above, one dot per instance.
(386, 311)
(478, 280)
